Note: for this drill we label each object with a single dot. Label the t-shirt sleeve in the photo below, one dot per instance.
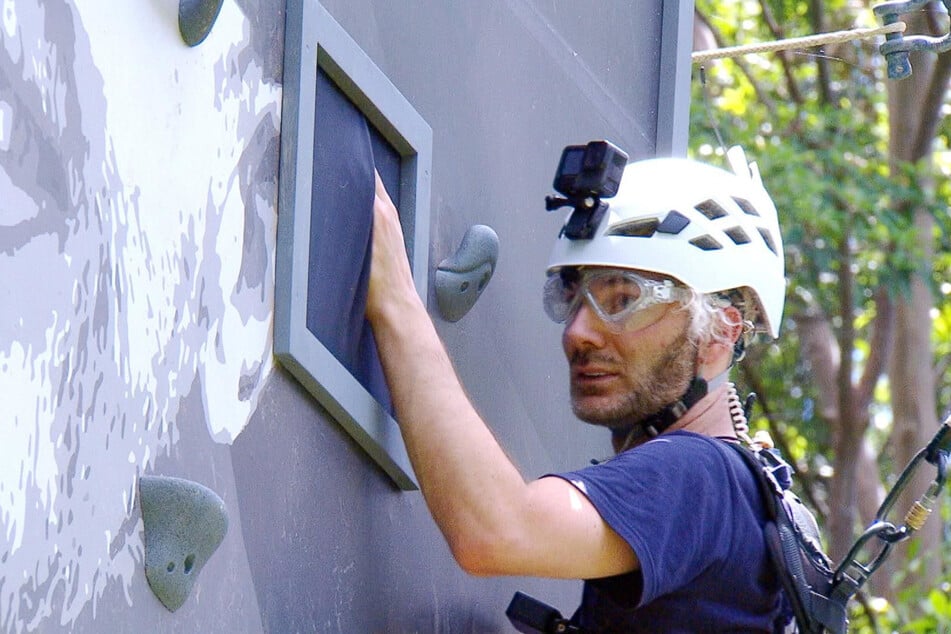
(669, 500)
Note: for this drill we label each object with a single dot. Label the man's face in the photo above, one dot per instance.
(620, 377)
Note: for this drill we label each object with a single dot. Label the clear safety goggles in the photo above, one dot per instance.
(614, 295)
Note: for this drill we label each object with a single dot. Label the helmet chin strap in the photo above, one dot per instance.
(656, 424)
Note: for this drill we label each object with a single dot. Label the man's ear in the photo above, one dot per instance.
(716, 353)
(733, 323)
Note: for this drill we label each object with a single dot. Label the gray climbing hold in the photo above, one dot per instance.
(184, 524)
(460, 279)
(195, 19)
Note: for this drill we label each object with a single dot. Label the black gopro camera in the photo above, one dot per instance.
(586, 174)
(593, 170)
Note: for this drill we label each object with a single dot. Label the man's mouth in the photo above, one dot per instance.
(591, 374)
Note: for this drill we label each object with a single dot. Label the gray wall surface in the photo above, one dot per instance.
(138, 209)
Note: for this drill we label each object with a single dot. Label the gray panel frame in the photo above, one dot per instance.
(673, 98)
(313, 38)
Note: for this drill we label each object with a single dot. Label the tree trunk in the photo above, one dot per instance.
(914, 408)
(843, 499)
(911, 374)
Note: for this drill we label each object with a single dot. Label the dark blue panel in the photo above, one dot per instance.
(341, 225)
(388, 163)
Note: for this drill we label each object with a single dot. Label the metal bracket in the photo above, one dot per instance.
(461, 278)
(897, 47)
(195, 19)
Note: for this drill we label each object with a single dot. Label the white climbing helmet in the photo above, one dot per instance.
(708, 228)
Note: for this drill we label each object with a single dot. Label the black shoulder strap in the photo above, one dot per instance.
(763, 483)
(801, 566)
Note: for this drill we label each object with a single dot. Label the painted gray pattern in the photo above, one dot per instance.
(137, 214)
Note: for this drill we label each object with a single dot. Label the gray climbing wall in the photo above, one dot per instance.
(138, 212)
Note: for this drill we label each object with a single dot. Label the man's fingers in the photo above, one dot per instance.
(381, 192)
(390, 274)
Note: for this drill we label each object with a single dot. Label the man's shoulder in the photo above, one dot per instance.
(682, 443)
(687, 452)
(675, 460)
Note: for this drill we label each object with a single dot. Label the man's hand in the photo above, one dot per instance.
(391, 280)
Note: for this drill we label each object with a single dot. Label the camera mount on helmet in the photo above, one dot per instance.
(586, 174)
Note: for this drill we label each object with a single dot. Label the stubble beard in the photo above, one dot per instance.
(661, 383)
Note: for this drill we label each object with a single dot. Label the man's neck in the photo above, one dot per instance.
(709, 416)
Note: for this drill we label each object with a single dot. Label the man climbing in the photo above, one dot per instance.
(659, 296)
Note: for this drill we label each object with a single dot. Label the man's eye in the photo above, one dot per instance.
(569, 291)
(620, 301)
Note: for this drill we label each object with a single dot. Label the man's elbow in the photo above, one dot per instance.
(484, 556)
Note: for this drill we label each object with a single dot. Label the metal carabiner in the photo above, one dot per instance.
(851, 574)
(897, 47)
(936, 452)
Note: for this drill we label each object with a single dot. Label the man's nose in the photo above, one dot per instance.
(584, 329)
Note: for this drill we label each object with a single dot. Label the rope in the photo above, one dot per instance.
(797, 42)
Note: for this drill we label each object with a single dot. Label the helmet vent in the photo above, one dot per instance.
(643, 228)
(711, 209)
(768, 239)
(746, 206)
(674, 223)
(706, 243)
(738, 235)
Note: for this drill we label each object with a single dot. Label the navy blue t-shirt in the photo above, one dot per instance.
(692, 513)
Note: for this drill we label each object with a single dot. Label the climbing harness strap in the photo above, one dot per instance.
(819, 595)
(792, 538)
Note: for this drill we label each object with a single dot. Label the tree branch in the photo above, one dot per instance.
(818, 17)
(848, 418)
(792, 85)
(880, 347)
(930, 112)
(820, 349)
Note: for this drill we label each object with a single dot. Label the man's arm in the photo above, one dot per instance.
(494, 522)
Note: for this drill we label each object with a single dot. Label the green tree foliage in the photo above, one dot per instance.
(817, 122)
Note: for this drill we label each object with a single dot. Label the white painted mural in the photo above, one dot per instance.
(136, 266)
(138, 216)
